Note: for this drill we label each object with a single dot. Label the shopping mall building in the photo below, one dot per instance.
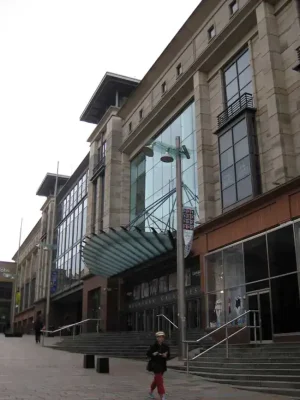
(228, 84)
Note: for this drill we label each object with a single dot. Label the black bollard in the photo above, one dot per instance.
(89, 361)
(102, 366)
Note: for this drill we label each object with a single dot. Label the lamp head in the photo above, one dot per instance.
(167, 158)
(148, 151)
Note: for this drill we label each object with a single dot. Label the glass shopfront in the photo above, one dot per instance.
(158, 295)
(260, 273)
(151, 179)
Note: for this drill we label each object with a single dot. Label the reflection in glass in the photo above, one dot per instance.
(214, 272)
(244, 188)
(151, 178)
(256, 263)
(281, 248)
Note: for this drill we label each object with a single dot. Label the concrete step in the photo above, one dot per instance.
(237, 365)
(244, 371)
(256, 360)
(273, 383)
(294, 394)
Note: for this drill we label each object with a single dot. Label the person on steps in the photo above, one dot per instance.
(158, 354)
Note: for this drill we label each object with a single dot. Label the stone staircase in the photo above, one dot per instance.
(268, 368)
(118, 344)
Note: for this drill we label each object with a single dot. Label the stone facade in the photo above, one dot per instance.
(270, 30)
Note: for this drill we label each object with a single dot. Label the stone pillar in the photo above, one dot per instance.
(113, 174)
(204, 147)
(279, 158)
(125, 190)
(92, 204)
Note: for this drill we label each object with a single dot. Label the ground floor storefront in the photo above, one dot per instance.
(251, 261)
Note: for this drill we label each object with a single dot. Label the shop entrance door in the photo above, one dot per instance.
(261, 301)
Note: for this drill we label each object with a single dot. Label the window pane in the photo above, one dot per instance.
(226, 159)
(232, 89)
(232, 100)
(242, 168)
(229, 196)
(256, 263)
(244, 188)
(230, 74)
(243, 62)
(158, 182)
(247, 89)
(234, 266)
(186, 123)
(149, 184)
(241, 149)
(228, 177)
(285, 304)
(245, 77)
(214, 272)
(225, 141)
(282, 256)
(239, 131)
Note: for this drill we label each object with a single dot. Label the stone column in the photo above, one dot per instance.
(125, 190)
(92, 205)
(204, 147)
(113, 174)
(279, 158)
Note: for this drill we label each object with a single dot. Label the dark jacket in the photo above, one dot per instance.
(158, 364)
(38, 325)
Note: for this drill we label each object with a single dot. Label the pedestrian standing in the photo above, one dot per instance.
(38, 326)
(159, 353)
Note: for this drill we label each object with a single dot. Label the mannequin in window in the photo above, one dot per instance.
(218, 311)
(238, 306)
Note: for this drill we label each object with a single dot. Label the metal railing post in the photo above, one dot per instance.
(187, 359)
(227, 344)
(43, 339)
(74, 332)
(60, 335)
(255, 332)
(260, 327)
(158, 323)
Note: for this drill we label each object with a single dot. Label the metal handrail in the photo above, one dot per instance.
(68, 327)
(226, 339)
(170, 323)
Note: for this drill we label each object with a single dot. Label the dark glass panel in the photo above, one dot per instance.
(281, 247)
(256, 263)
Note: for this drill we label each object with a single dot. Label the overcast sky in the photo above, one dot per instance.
(53, 54)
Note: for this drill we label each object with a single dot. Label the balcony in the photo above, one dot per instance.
(245, 102)
(98, 168)
(297, 68)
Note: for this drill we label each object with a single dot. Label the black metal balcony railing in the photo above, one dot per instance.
(242, 103)
(99, 166)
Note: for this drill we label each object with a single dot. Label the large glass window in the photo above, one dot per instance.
(238, 78)
(265, 267)
(235, 164)
(151, 179)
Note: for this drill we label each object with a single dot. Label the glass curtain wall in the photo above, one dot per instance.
(70, 232)
(151, 179)
(264, 269)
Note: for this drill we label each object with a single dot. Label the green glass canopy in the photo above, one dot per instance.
(111, 253)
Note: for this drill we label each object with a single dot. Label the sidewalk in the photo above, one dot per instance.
(31, 372)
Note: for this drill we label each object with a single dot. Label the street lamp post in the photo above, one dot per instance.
(180, 254)
(168, 158)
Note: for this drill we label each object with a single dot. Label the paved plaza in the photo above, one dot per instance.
(31, 372)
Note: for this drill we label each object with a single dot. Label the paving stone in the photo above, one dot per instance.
(31, 372)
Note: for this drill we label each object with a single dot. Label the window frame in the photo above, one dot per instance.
(163, 88)
(130, 127)
(249, 116)
(179, 70)
(234, 61)
(141, 114)
(210, 30)
(231, 5)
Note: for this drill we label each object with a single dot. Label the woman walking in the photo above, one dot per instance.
(159, 353)
(38, 326)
